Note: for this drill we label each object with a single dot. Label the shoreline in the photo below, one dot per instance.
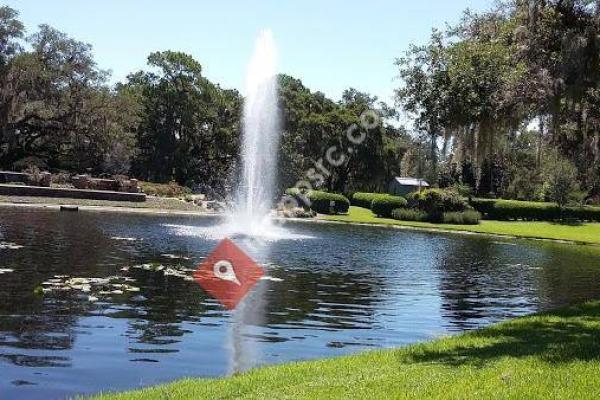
(541, 355)
(111, 209)
(460, 232)
(321, 219)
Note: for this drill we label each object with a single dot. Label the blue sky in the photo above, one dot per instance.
(330, 45)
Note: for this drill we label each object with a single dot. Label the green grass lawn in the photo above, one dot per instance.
(584, 233)
(546, 356)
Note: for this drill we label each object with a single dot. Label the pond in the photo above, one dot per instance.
(330, 290)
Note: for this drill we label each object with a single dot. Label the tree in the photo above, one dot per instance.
(188, 128)
(561, 179)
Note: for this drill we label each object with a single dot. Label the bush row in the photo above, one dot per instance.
(320, 202)
(434, 205)
(364, 200)
(505, 210)
(409, 214)
(469, 217)
(383, 205)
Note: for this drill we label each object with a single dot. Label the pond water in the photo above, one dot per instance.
(333, 290)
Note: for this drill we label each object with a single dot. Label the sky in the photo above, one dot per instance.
(330, 45)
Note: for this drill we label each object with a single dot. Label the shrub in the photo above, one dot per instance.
(484, 206)
(591, 214)
(320, 202)
(533, 211)
(409, 214)
(171, 189)
(462, 218)
(436, 202)
(364, 200)
(513, 210)
(561, 179)
(384, 204)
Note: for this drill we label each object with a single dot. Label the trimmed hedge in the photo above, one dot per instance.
(320, 202)
(384, 204)
(505, 210)
(462, 218)
(364, 200)
(588, 213)
(469, 217)
(409, 214)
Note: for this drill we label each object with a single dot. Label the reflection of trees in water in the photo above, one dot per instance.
(77, 245)
(569, 275)
(53, 244)
(324, 300)
(482, 281)
(328, 301)
(166, 303)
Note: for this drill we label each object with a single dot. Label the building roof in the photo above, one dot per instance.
(408, 181)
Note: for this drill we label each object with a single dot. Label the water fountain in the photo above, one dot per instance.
(261, 132)
(250, 217)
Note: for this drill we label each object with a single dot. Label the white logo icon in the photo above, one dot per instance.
(224, 270)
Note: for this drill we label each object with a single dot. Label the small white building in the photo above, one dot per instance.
(403, 185)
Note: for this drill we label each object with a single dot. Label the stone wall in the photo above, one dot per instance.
(19, 190)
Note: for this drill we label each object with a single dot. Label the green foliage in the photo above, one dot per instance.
(383, 204)
(312, 124)
(188, 126)
(409, 214)
(361, 199)
(561, 180)
(462, 189)
(514, 210)
(470, 217)
(591, 214)
(479, 84)
(319, 201)
(467, 217)
(171, 189)
(436, 202)
(485, 206)
(504, 210)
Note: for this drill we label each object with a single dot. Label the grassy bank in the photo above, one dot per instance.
(552, 355)
(584, 233)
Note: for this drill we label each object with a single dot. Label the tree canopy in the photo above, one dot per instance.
(497, 104)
